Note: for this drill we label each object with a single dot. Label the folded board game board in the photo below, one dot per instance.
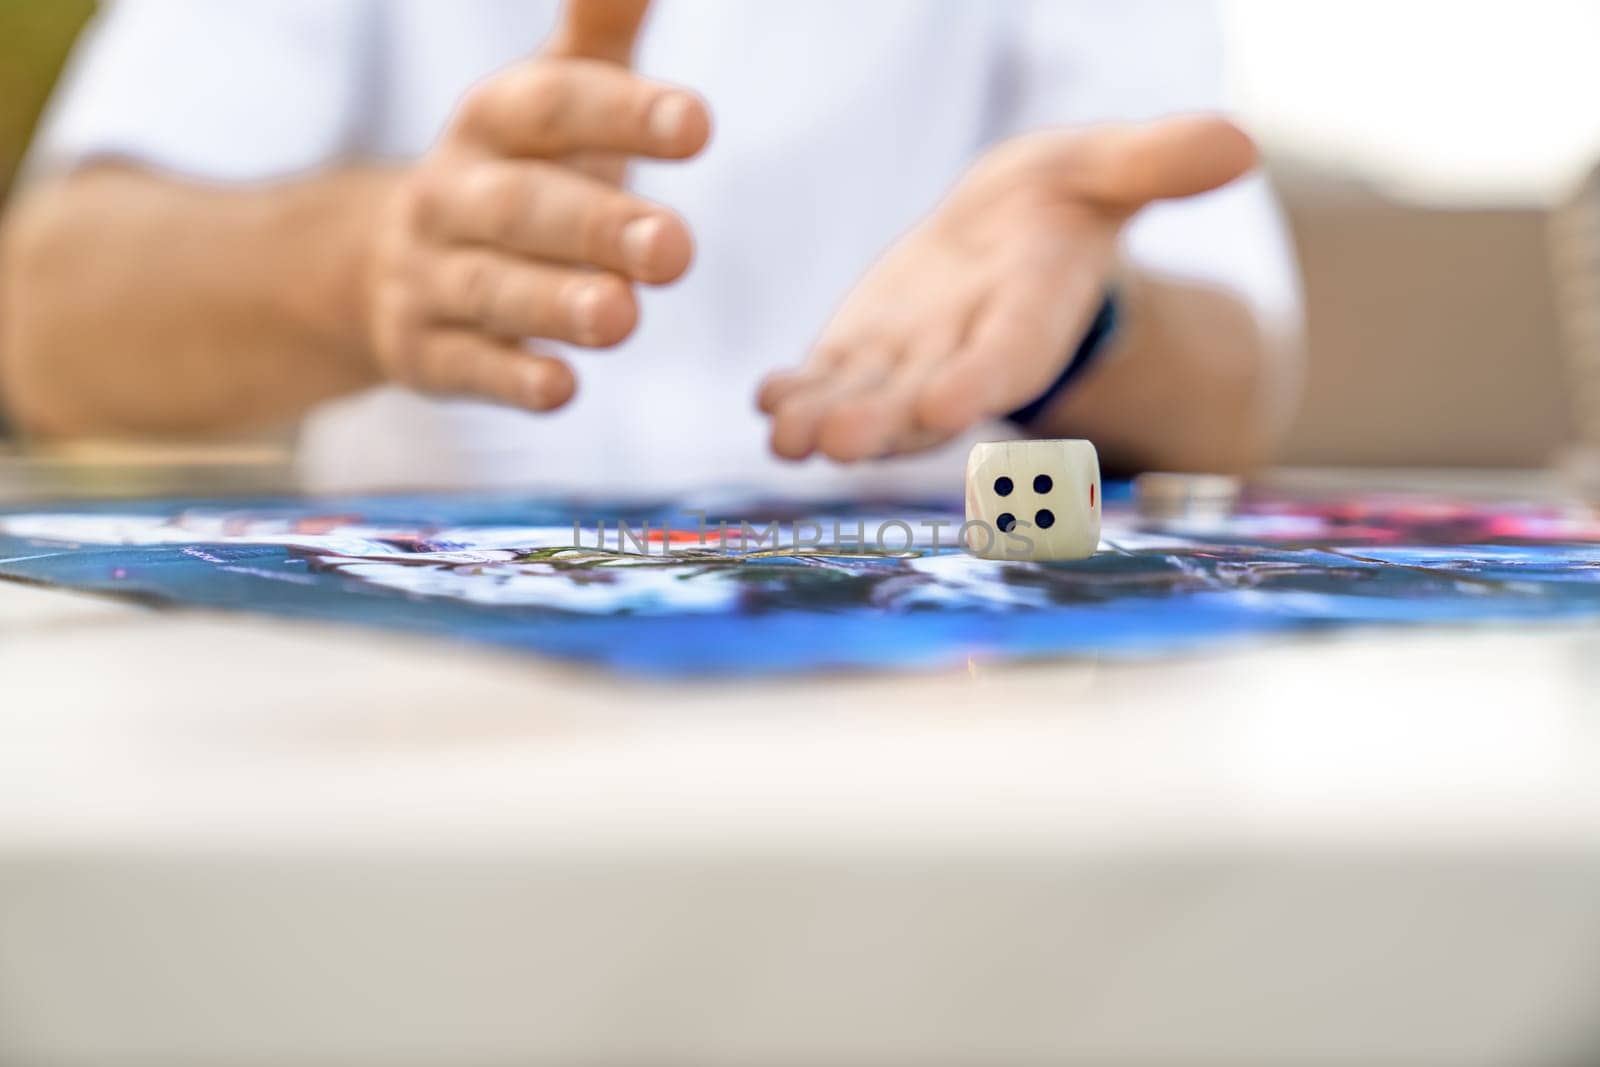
(724, 587)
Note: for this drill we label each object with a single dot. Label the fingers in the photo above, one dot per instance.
(979, 315)
(507, 232)
(799, 416)
(467, 310)
(876, 422)
(855, 404)
(552, 109)
(1018, 345)
(598, 29)
(512, 298)
(1127, 167)
(546, 211)
(780, 385)
(466, 363)
(858, 403)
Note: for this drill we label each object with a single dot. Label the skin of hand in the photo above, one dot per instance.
(515, 225)
(136, 302)
(975, 311)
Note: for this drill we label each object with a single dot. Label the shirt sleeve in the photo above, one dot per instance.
(1082, 63)
(222, 90)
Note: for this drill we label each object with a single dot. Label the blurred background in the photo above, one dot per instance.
(37, 36)
(1430, 155)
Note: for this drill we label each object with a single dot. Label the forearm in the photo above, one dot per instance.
(134, 303)
(1192, 382)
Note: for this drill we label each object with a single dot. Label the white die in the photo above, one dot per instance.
(1033, 500)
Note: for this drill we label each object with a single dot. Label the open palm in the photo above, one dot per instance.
(975, 311)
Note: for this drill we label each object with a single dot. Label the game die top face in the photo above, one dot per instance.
(1039, 500)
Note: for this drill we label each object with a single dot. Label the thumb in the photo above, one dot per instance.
(598, 29)
(1126, 167)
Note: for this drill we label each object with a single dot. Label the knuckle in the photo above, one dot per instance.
(827, 355)
(500, 202)
(634, 105)
(426, 201)
(546, 96)
(600, 230)
(473, 286)
(480, 105)
(510, 212)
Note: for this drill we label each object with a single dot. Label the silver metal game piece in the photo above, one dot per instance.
(1166, 496)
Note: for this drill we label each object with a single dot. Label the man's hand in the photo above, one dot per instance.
(515, 226)
(976, 311)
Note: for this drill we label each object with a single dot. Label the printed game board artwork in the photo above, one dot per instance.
(669, 597)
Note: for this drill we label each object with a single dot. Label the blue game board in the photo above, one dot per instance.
(653, 589)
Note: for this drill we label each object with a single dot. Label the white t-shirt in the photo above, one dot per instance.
(838, 123)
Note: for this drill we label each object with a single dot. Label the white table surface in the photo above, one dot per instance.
(228, 840)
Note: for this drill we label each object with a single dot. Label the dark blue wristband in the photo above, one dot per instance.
(1093, 343)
